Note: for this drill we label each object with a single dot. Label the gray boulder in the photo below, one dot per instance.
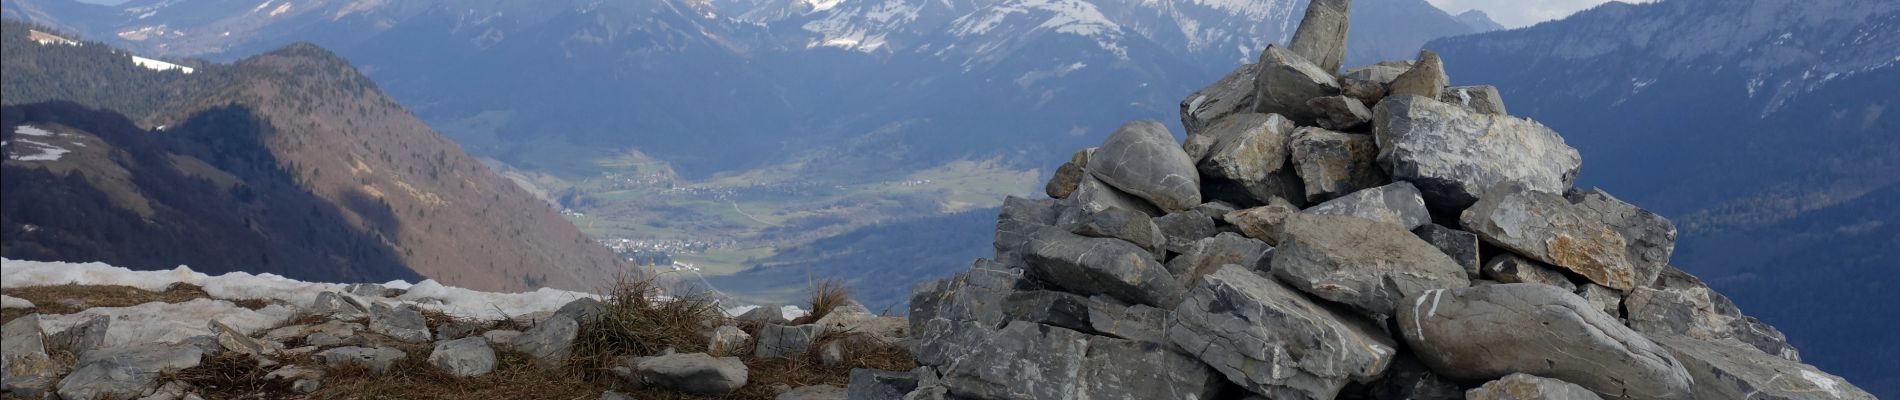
(1606, 299)
(1340, 112)
(1091, 266)
(339, 306)
(1208, 255)
(503, 337)
(302, 379)
(1397, 204)
(1091, 196)
(1068, 175)
(231, 340)
(871, 384)
(1651, 238)
(1510, 268)
(1321, 36)
(1021, 361)
(465, 357)
(126, 372)
(1410, 380)
(1383, 72)
(1117, 223)
(402, 323)
(457, 329)
(1184, 228)
(376, 359)
(371, 290)
(613, 395)
(1233, 94)
(1491, 331)
(28, 369)
(1730, 369)
(1248, 151)
(1544, 227)
(1286, 81)
(550, 341)
(1369, 265)
(1263, 222)
(973, 295)
(780, 341)
(766, 314)
(1021, 219)
(696, 373)
(1100, 315)
(1482, 99)
(1529, 387)
(1142, 159)
(1426, 78)
(1332, 164)
(1461, 246)
(1272, 340)
(1454, 155)
(83, 337)
(1679, 304)
(727, 340)
(1133, 370)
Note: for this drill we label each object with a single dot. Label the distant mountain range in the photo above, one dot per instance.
(1766, 128)
(730, 85)
(287, 162)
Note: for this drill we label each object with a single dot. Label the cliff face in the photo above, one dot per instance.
(316, 128)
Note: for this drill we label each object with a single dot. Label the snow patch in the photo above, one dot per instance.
(283, 8)
(42, 151)
(157, 65)
(14, 302)
(157, 322)
(822, 5)
(30, 130)
(1823, 382)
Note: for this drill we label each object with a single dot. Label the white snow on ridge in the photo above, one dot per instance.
(821, 5)
(157, 65)
(41, 151)
(14, 302)
(30, 130)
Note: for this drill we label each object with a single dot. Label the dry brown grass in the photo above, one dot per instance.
(826, 295)
(54, 299)
(638, 322)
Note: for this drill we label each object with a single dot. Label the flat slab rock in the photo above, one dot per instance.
(1272, 340)
(1142, 159)
(1730, 369)
(1031, 361)
(1369, 265)
(1454, 155)
(1092, 266)
(1530, 387)
(1544, 226)
(1491, 331)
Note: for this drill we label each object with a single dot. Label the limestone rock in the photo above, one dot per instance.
(550, 341)
(1185, 228)
(696, 373)
(1117, 223)
(1208, 255)
(1286, 81)
(1369, 265)
(1142, 159)
(1340, 112)
(1091, 266)
(780, 341)
(973, 295)
(371, 290)
(1545, 227)
(1509, 268)
(403, 323)
(1454, 155)
(1606, 299)
(1321, 36)
(28, 367)
(1021, 361)
(766, 314)
(1248, 150)
(457, 329)
(1383, 72)
(871, 384)
(1332, 164)
(1461, 246)
(1651, 238)
(1482, 99)
(376, 359)
(465, 357)
(1068, 175)
(1679, 304)
(503, 337)
(339, 306)
(1231, 95)
(82, 338)
(1397, 204)
(302, 379)
(1091, 196)
(728, 340)
(1730, 369)
(125, 372)
(1272, 340)
(1410, 380)
(1426, 78)
(1491, 331)
(1263, 222)
(1530, 387)
(1133, 370)
(613, 395)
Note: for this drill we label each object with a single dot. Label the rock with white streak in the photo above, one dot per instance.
(1332, 164)
(1491, 331)
(1287, 80)
(1092, 266)
(1398, 204)
(1730, 369)
(1142, 159)
(1272, 340)
(465, 357)
(1340, 112)
(1369, 265)
(1233, 94)
(1482, 99)
(1530, 387)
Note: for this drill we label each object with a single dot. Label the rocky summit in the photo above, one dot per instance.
(1371, 233)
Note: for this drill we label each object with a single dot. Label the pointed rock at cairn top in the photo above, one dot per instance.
(1321, 37)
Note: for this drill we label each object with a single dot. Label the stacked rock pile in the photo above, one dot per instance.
(1373, 234)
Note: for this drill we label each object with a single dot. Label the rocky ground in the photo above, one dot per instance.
(89, 331)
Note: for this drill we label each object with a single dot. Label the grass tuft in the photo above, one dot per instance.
(639, 321)
(826, 295)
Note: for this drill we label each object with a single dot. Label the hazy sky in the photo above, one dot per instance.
(1520, 13)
